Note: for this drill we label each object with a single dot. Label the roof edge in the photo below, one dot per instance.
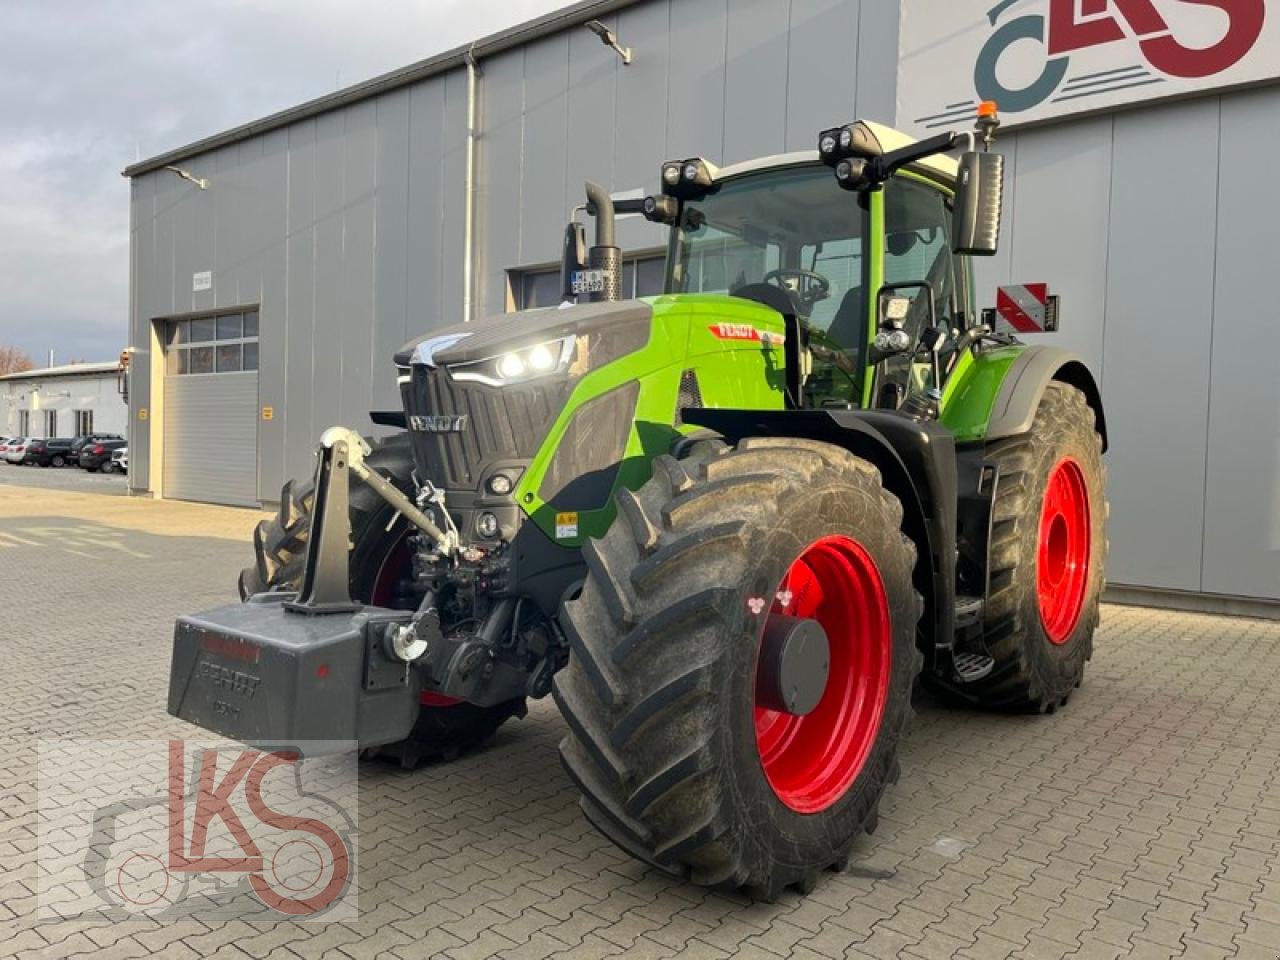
(550, 23)
(64, 370)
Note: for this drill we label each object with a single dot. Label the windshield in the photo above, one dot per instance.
(792, 229)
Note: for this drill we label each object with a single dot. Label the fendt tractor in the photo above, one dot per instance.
(728, 528)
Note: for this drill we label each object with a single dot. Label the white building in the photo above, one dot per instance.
(65, 401)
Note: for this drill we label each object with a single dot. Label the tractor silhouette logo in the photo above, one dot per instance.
(1146, 46)
(214, 846)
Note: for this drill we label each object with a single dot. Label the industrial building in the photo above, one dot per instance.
(65, 401)
(276, 267)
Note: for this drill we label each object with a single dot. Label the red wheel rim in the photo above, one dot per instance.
(811, 761)
(1062, 559)
(384, 591)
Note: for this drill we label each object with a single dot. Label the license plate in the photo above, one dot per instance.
(588, 281)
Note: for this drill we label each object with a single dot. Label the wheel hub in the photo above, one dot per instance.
(812, 758)
(795, 660)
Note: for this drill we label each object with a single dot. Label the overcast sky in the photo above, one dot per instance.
(88, 86)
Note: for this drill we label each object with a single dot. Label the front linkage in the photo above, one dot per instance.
(350, 671)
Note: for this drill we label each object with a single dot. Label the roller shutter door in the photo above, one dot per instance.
(211, 411)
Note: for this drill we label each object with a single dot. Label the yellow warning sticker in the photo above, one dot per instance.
(142, 413)
(566, 526)
(268, 413)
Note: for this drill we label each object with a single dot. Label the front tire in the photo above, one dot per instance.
(445, 727)
(1048, 554)
(678, 760)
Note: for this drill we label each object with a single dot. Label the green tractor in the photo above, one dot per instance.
(727, 527)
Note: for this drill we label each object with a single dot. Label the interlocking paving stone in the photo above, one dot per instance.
(1141, 822)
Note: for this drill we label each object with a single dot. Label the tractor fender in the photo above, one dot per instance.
(917, 464)
(1019, 396)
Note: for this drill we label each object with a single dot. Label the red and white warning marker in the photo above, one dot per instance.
(1026, 308)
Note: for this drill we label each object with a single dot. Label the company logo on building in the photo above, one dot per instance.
(1044, 58)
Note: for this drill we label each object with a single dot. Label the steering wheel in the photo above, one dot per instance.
(808, 286)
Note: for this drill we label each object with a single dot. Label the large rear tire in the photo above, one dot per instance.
(678, 759)
(1048, 554)
(380, 560)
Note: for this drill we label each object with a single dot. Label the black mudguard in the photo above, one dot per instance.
(917, 461)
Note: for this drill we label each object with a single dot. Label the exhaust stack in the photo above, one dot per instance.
(605, 256)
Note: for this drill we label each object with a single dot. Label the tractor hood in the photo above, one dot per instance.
(469, 342)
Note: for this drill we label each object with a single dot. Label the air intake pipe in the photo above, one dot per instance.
(605, 256)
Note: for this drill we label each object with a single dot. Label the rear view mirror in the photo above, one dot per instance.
(574, 257)
(975, 225)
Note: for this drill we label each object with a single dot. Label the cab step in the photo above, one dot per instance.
(968, 611)
(972, 667)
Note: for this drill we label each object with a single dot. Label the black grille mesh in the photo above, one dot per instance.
(690, 395)
(502, 424)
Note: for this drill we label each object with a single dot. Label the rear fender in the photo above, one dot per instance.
(917, 463)
(1019, 396)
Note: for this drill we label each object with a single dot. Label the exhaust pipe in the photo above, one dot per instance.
(605, 256)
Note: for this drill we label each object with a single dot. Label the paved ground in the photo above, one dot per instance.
(63, 478)
(1143, 821)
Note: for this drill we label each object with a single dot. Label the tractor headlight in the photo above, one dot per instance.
(518, 366)
(487, 525)
(671, 174)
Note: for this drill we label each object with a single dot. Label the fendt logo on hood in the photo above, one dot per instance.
(439, 424)
(1041, 58)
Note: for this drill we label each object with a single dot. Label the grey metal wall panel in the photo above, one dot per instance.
(141, 253)
(755, 91)
(695, 99)
(210, 438)
(822, 68)
(876, 85)
(1156, 343)
(356, 308)
(498, 197)
(1242, 483)
(591, 99)
(267, 212)
(546, 155)
(1060, 235)
(426, 283)
(391, 263)
(326, 362)
(640, 124)
(300, 243)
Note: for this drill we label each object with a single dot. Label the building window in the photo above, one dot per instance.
(24, 423)
(50, 423)
(227, 343)
(642, 276)
(84, 422)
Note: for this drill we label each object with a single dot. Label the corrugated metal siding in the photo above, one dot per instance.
(1163, 269)
(211, 438)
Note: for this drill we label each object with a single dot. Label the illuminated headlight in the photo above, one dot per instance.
(500, 484)
(487, 525)
(671, 174)
(827, 144)
(518, 366)
(691, 171)
(846, 138)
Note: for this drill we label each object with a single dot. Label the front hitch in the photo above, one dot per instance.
(326, 576)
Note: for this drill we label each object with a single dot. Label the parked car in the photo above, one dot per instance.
(77, 443)
(119, 462)
(54, 452)
(16, 449)
(94, 456)
(4, 446)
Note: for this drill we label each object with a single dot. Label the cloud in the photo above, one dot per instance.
(90, 87)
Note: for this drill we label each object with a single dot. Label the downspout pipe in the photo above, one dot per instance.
(469, 189)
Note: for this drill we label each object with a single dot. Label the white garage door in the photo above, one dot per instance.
(211, 410)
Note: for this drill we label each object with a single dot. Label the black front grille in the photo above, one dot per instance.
(507, 423)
